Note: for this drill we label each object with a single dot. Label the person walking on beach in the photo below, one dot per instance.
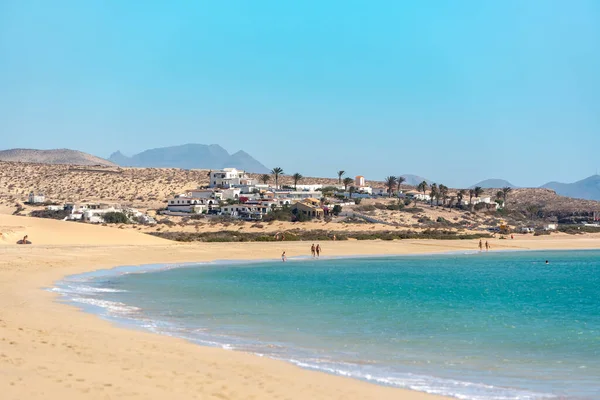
(480, 245)
(283, 257)
(312, 250)
(487, 246)
(318, 249)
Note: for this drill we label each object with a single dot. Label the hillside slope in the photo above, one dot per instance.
(56, 156)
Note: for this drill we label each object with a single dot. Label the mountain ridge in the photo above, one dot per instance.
(190, 156)
(587, 188)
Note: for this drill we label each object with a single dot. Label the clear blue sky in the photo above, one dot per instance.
(456, 91)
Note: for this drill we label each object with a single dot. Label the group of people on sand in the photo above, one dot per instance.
(487, 245)
(315, 251)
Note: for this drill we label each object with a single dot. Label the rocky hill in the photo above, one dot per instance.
(588, 188)
(190, 156)
(57, 156)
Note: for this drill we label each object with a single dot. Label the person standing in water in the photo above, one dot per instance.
(283, 257)
(318, 249)
(487, 246)
(480, 245)
(312, 250)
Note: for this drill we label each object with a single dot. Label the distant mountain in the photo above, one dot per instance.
(414, 180)
(189, 156)
(493, 184)
(588, 188)
(57, 156)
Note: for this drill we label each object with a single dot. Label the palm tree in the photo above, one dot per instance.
(297, 178)
(390, 182)
(265, 178)
(347, 182)
(277, 172)
(505, 191)
(434, 193)
(451, 201)
(478, 191)
(422, 187)
(460, 195)
(351, 190)
(443, 192)
(399, 181)
(340, 174)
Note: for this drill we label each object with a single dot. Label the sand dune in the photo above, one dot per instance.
(52, 232)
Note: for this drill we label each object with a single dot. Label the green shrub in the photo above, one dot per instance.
(337, 209)
(115, 217)
(60, 214)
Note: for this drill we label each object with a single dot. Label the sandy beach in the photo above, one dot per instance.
(54, 351)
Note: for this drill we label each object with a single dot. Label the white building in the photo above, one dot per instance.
(309, 188)
(96, 216)
(201, 194)
(228, 177)
(253, 211)
(418, 195)
(477, 200)
(231, 193)
(190, 205)
(36, 198)
(77, 210)
(359, 181)
(296, 194)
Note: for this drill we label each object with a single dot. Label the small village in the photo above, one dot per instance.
(231, 194)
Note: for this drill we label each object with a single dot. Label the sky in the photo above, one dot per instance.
(455, 91)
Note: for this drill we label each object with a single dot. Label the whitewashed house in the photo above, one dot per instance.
(253, 211)
(228, 177)
(77, 210)
(231, 193)
(296, 195)
(418, 195)
(36, 198)
(96, 216)
(201, 194)
(309, 188)
(477, 200)
(189, 205)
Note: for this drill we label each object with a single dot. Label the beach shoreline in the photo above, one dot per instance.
(50, 349)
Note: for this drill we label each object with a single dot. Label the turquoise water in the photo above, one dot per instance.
(473, 326)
